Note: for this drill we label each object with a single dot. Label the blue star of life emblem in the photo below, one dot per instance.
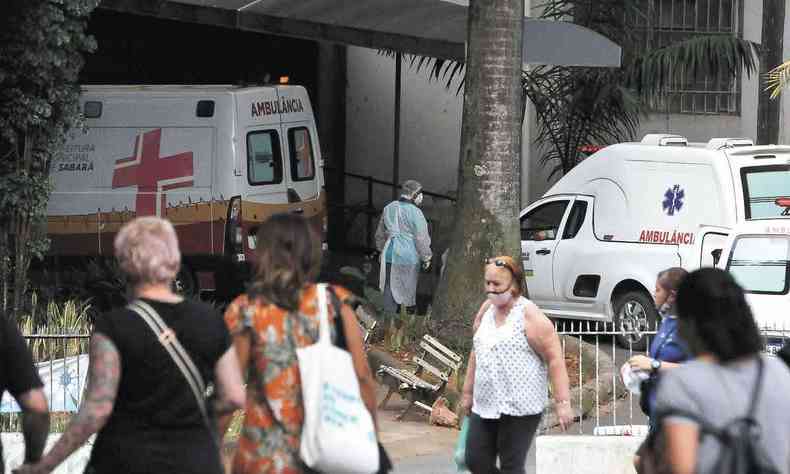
(673, 200)
(66, 378)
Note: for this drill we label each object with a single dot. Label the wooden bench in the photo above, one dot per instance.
(436, 365)
(367, 323)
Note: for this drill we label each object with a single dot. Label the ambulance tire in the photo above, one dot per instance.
(185, 283)
(634, 313)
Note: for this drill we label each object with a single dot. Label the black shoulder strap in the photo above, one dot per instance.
(757, 385)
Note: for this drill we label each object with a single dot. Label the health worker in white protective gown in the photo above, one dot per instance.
(403, 240)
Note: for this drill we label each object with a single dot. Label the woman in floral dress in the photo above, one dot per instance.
(278, 314)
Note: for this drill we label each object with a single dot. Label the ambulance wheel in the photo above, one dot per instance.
(634, 314)
(185, 283)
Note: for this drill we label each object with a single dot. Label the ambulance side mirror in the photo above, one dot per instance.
(252, 238)
(716, 253)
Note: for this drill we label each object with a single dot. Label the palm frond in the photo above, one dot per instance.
(445, 70)
(777, 79)
(614, 19)
(578, 107)
(659, 70)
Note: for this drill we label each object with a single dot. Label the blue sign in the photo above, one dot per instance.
(64, 381)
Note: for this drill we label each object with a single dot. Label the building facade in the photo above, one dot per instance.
(431, 110)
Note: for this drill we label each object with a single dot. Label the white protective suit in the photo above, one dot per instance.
(403, 240)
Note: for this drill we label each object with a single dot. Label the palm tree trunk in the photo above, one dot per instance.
(768, 110)
(486, 222)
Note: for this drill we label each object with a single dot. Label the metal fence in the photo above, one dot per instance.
(357, 184)
(62, 364)
(594, 353)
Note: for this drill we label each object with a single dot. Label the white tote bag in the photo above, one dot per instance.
(338, 435)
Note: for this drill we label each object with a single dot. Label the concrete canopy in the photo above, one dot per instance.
(435, 28)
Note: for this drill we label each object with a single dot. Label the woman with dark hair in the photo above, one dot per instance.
(278, 314)
(727, 376)
(667, 350)
(516, 353)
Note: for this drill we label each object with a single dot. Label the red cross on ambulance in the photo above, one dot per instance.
(153, 175)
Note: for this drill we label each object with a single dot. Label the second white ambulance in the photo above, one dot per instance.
(594, 244)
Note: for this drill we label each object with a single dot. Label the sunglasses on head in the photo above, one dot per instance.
(500, 263)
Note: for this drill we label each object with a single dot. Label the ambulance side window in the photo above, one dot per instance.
(543, 222)
(301, 150)
(264, 160)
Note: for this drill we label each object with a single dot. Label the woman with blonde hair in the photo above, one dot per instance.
(147, 415)
(278, 314)
(516, 353)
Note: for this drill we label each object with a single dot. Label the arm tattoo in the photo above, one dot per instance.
(35, 424)
(104, 374)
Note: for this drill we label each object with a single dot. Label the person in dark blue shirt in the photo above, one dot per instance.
(667, 350)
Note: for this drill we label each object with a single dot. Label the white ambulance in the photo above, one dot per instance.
(757, 254)
(594, 243)
(214, 160)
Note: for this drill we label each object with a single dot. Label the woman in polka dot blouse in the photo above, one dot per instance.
(516, 352)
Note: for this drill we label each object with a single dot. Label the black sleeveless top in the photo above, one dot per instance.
(156, 425)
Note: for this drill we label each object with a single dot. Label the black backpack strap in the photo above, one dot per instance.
(757, 385)
(706, 427)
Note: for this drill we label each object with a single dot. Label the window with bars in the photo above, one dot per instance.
(659, 23)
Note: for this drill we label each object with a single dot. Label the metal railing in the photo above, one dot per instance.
(368, 207)
(594, 353)
(62, 364)
(663, 22)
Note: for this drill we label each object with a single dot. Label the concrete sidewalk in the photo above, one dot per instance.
(413, 444)
(417, 447)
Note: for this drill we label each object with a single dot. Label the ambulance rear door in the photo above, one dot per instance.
(265, 184)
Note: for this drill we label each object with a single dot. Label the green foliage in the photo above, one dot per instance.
(42, 43)
(656, 71)
(590, 106)
(70, 317)
(577, 107)
(777, 79)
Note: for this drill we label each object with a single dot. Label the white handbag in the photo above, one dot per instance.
(338, 435)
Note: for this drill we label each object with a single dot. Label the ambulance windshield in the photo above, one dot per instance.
(761, 263)
(766, 191)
